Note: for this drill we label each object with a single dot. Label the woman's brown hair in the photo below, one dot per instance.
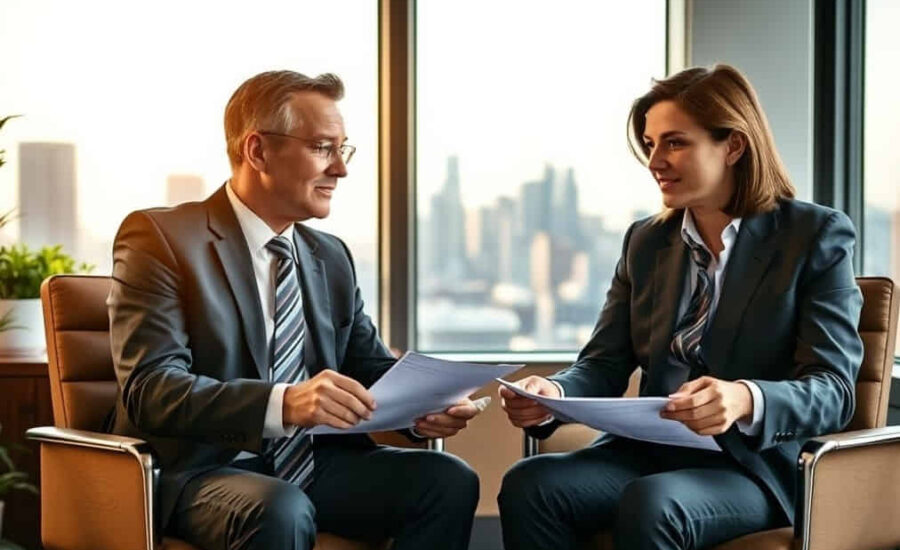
(722, 100)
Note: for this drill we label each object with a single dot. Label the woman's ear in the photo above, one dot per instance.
(737, 144)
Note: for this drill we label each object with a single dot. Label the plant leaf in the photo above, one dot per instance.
(6, 460)
(6, 119)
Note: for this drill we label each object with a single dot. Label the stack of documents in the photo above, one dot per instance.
(418, 385)
(632, 417)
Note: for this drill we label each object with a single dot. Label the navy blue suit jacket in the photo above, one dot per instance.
(787, 319)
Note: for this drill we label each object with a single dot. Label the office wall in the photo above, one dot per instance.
(771, 42)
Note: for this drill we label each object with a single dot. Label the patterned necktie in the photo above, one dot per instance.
(292, 456)
(686, 340)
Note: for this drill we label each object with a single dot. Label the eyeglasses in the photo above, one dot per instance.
(321, 149)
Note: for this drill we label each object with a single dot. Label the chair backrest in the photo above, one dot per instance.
(878, 330)
(76, 323)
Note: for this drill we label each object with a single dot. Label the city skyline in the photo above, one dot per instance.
(526, 272)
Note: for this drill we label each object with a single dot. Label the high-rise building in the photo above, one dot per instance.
(537, 202)
(565, 210)
(448, 230)
(184, 188)
(488, 264)
(47, 207)
(880, 241)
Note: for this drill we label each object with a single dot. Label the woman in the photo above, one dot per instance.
(739, 304)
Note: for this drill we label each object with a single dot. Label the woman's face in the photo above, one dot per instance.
(691, 169)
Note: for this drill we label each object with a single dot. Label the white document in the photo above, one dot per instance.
(418, 385)
(633, 417)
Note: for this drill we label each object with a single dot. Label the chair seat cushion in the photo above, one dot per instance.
(176, 544)
(775, 539)
(324, 541)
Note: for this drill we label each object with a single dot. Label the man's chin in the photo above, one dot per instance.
(320, 210)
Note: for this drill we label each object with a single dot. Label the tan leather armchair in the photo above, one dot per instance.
(849, 493)
(96, 488)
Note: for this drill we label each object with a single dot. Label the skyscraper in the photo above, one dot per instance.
(537, 202)
(565, 210)
(47, 207)
(448, 230)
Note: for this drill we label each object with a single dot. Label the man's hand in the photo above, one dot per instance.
(709, 406)
(447, 423)
(524, 412)
(327, 398)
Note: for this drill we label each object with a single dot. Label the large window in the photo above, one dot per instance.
(525, 184)
(881, 255)
(122, 108)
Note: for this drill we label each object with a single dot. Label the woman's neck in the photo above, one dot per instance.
(710, 224)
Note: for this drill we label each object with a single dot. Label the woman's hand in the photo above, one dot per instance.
(447, 423)
(524, 412)
(709, 406)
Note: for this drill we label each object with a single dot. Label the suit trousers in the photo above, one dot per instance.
(652, 497)
(420, 499)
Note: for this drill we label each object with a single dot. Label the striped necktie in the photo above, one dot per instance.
(686, 340)
(291, 456)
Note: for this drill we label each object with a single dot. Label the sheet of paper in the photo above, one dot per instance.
(418, 385)
(633, 417)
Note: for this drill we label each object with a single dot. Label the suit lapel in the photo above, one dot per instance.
(747, 264)
(234, 255)
(316, 300)
(668, 285)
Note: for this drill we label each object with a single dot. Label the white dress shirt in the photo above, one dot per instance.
(716, 270)
(265, 263)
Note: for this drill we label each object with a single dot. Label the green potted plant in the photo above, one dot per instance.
(21, 272)
(11, 479)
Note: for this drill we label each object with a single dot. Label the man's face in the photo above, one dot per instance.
(300, 175)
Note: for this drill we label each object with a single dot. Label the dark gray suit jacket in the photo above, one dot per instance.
(188, 340)
(787, 319)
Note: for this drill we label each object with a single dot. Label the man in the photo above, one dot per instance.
(235, 329)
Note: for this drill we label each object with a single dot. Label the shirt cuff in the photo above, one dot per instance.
(273, 426)
(413, 431)
(754, 426)
(562, 393)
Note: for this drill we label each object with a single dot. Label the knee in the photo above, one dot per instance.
(524, 485)
(650, 509)
(285, 518)
(455, 482)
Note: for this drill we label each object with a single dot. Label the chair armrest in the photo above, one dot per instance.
(850, 490)
(84, 438)
(89, 478)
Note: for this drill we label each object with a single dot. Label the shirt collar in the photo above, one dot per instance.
(256, 231)
(689, 230)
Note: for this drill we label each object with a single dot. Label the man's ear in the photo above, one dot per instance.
(737, 145)
(254, 153)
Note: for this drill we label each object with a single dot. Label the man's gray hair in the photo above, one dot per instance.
(264, 103)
